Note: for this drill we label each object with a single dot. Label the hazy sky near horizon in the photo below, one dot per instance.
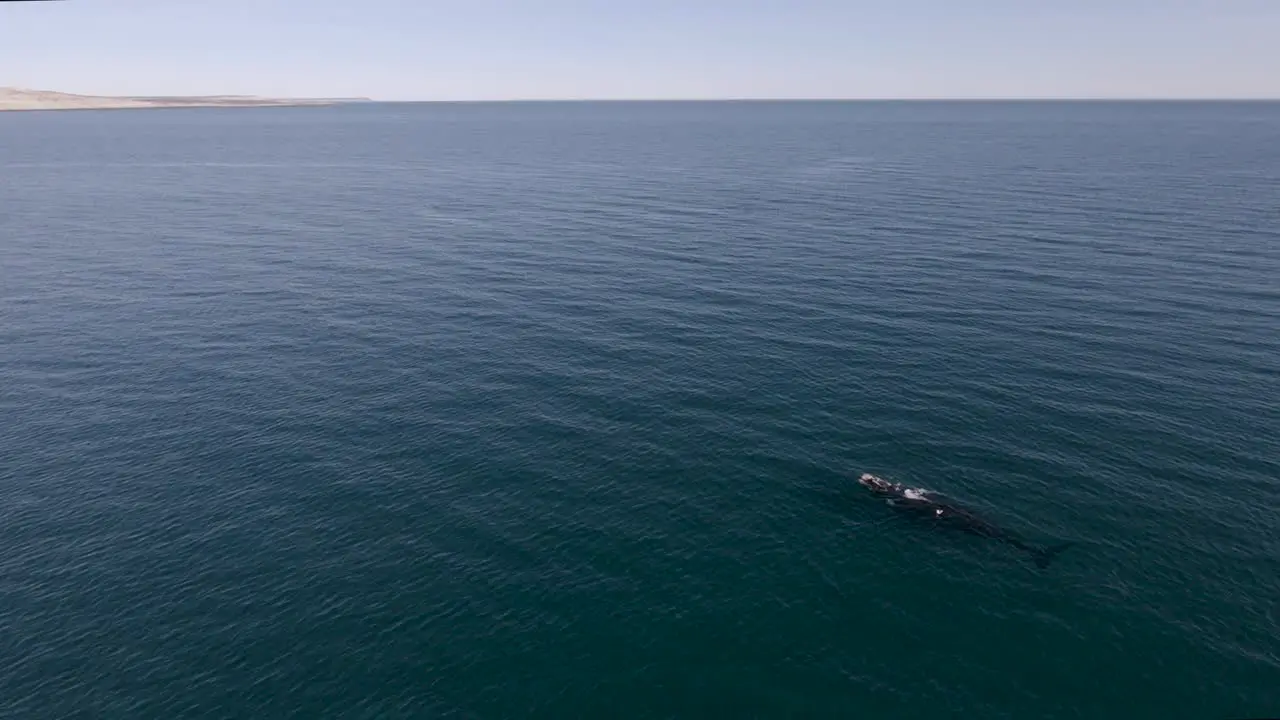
(505, 49)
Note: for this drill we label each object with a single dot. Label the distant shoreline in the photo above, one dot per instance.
(16, 100)
(20, 100)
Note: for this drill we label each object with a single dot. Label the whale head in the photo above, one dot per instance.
(877, 485)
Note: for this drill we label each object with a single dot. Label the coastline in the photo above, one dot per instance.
(21, 100)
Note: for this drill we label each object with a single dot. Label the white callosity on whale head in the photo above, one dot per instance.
(876, 484)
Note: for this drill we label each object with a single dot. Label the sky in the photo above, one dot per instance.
(617, 49)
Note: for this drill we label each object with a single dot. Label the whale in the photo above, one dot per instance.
(932, 508)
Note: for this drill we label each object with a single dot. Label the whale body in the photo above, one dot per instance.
(927, 506)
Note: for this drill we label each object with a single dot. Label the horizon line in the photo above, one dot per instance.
(833, 99)
(743, 99)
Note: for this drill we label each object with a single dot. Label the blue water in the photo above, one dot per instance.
(554, 410)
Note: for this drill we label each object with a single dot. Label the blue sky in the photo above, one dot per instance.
(504, 49)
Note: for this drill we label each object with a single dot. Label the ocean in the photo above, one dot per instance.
(555, 410)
